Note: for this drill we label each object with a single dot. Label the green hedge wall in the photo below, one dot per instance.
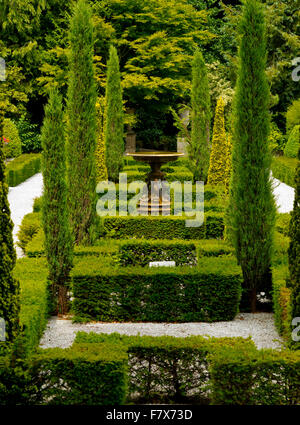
(23, 167)
(262, 378)
(284, 169)
(167, 369)
(282, 302)
(163, 227)
(86, 374)
(210, 292)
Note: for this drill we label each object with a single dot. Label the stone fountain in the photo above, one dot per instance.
(154, 201)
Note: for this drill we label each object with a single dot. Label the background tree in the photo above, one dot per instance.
(199, 147)
(114, 120)
(9, 287)
(101, 170)
(294, 248)
(252, 205)
(81, 133)
(220, 152)
(58, 241)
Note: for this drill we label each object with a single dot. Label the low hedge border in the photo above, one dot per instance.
(163, 227)
(284, 169)
(209, 292)
(266, 377)
(21, 168)
(282, 302)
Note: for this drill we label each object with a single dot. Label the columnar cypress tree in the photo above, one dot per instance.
(252, 206)
(101, 170)
(199, 148)
(81, 115)
(114, 117)
(220, 152)
(294, 248)
(58, 241)
(9, 287)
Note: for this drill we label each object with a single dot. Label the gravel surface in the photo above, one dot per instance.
(284, 196)
(260, 326)
(21, 200)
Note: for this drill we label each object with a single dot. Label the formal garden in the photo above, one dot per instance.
(149, 202)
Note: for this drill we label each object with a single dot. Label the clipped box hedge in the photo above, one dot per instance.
(265, 377)
(23, 167)
(282, 302)
(86, 374)
(164, 227)
(284, 169)
(167, 369)
(209, 292)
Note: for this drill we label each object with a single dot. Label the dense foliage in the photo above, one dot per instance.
(81, 126)
(252, 207)
(58, 240)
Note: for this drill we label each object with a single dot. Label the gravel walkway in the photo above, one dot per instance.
(260, 326)
(21, 200)
(284, 196)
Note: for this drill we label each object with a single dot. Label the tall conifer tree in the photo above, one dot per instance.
(199, 148)
(58, 241)
(81, 115)
(9, 287)
(114, 118)
(252, 205)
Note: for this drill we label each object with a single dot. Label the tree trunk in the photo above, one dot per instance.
(62, 299)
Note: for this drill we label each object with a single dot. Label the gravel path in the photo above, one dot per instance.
(284, 196)
(260, 326)
(21, 200)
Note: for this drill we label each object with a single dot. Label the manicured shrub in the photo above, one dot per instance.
(9, 286)
(22, 168)
(141, 252)
(293, 143)
(81, 131)
(163, 227)
(199, 149)
(220, 152)
(167, 369)
(255, 378)
(284, 169)
(114, 120)
(55, 214)
(12, 142)
(210, 292)
(283, 223)
(38, 204)
(101, 170)
(252, 206)
(86, 374)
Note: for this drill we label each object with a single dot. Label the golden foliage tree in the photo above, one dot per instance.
(101, 170)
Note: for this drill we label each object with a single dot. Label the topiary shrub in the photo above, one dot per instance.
(12, 142)
(292, 146)
(293, 116)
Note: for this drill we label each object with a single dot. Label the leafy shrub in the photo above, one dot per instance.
(293, 143)
(12, 142)
(30, 136)
(284, 169)
(283, 223)
(276, 139)
(293, 115)
(210, 292)
(31, 224)
(23, 167)
(37, 204)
